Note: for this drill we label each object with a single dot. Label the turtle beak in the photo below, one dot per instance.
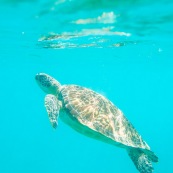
(38, 78)
(37, 75)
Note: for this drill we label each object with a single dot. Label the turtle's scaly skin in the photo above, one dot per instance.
(96, 112)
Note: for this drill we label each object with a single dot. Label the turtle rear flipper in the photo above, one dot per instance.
(142, 160)
(53, 106)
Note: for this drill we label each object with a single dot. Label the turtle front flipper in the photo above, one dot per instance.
(53, 106)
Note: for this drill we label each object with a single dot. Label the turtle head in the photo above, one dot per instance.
(48, 84)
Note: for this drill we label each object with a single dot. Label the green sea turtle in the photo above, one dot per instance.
(95, 116)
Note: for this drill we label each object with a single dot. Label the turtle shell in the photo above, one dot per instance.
(99, 114)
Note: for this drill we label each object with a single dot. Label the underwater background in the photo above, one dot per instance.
(121, 49)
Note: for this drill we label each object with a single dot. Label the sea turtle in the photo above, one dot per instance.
(95, 116)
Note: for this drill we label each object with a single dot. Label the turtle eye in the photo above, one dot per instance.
(46, 84)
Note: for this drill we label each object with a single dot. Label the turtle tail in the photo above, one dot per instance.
(143, 159)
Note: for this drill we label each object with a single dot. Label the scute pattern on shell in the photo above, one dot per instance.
(98, 113)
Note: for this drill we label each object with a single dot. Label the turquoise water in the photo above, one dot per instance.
(122, 50)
